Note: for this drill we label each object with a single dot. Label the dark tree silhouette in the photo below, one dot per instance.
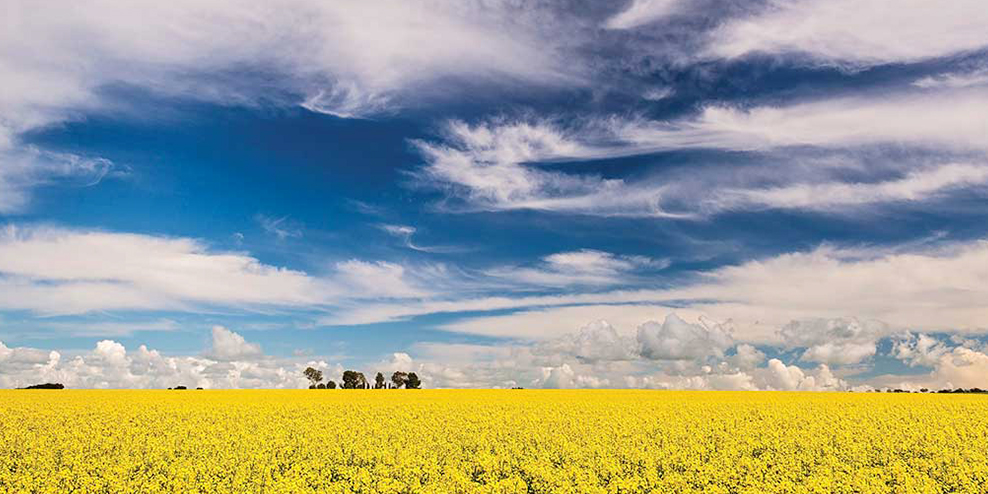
(320, 386)
(349, 379)
(413, 381)
(313, 375)
(45, 386)
(354, 380)
(379, 381)
(331, 385)
(399, 379)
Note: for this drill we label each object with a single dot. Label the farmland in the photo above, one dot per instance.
(444, 441)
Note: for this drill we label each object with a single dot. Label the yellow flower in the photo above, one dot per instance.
(491, 441)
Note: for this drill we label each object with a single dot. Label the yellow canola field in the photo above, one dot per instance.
(439, 441)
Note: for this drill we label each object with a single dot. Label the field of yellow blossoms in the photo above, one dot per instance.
(506, 441)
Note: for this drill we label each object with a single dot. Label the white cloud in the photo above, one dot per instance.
(228, 345)
(952, 367)
(947, 118)
(917, 185)
(486, 159)
(940, 290)
(782, 377)
(564, 376)
(839, 353)
(658, 93)
(21, 358)
(747, 357)
(834, 341)
(641, 12)
(64, 271)
(582, 267)
(962, 367)
(282, 228)
(406, 232)
(676, 339)
(597, 341)
(94, 326)
(559, 317)
(349, 57)
(558, 377)
(920, 349)
(496, 166)
(402, 231)
(502, 365)
(856, 32)
(23, 169)
(774, 376)
(929, 290)
(738, 381)
(600, 354)
(486, 166)
(377, 279)
(954, 80)
(595, 261)
(460, 353)
(111, 353)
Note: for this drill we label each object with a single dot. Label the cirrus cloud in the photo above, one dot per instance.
(855, 33)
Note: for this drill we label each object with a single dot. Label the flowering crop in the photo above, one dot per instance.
(504, 441)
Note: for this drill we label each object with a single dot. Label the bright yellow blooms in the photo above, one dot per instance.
(503, 441)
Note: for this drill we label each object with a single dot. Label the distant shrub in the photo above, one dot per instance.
(46, 386)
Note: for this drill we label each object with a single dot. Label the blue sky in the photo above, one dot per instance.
(653, 193)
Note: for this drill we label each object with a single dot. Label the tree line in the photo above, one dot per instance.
(45, 386)
(927, 390)
(355, 380)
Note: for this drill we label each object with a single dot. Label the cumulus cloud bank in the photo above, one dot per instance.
(684, 355)
(231, 362)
